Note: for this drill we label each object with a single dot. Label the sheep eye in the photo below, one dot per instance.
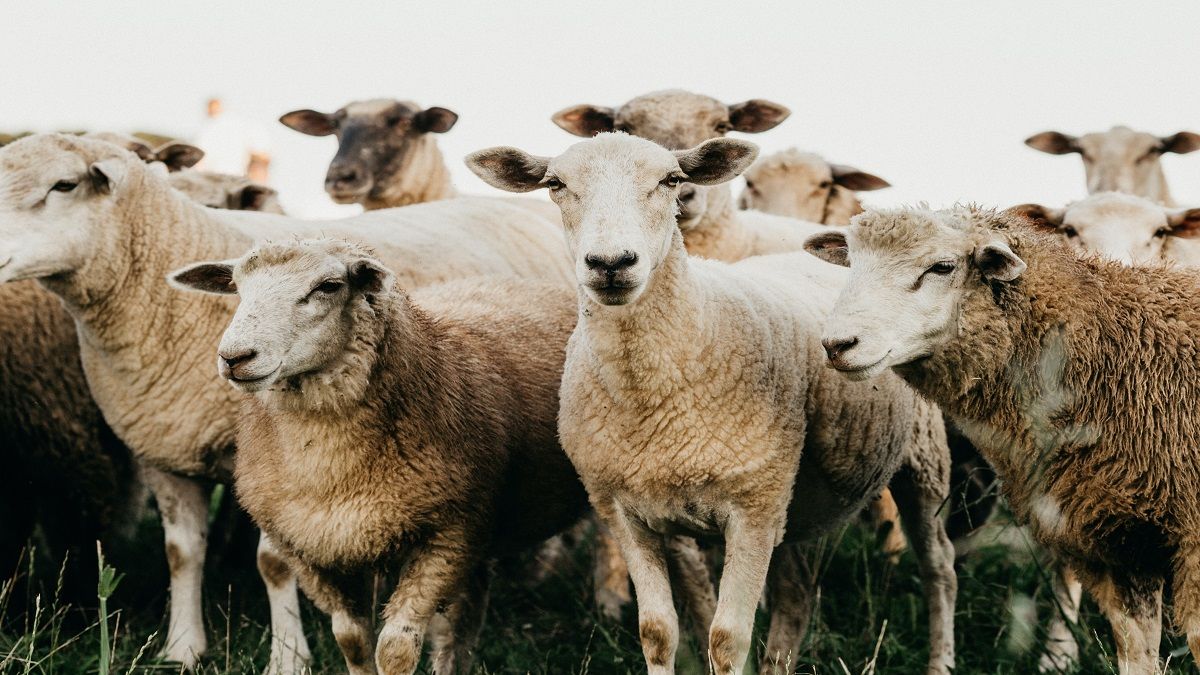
(672, 180)
(553, 183)
(941, 268)
(328, 287)
(393, 121)
(1161, 232)
(64, 186)
(722, 127)
(826, 184)
(1070, 232)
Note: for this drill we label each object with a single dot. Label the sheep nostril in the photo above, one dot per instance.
(836, 347)
(233, 360)
(610, 264)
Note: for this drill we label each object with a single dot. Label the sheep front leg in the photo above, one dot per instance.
(289, 647)
(1133, 606)
(456, 634)
(1185, 594)
(434, 576)
(1061, 650)
(611, 574)
(919, 496)
(748, 549)
(183, 507)
(344, 598)
(790, 593)
(645, 553)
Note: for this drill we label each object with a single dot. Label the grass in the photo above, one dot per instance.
(870, 619)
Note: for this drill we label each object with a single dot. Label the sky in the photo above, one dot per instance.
(936, 97)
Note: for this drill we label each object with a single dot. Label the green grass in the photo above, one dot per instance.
(553, 629)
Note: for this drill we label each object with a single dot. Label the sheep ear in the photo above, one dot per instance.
(1053, 142)
(1185, 223)
(757, 115)
(106, 175)
(205, 277)
(435, 120)
(508, 168)
(310, 122)
(585, 120)
(997, 261)
(853, 179)
(251, 197)
(178, 156)
(1042, 216)
(369, 275)
(143, 151)
(1181, 143)
(717, 160)
(830, 247)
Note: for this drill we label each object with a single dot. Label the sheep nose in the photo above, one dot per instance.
(610, 264)
(835, 347)
(343, 175)
(234, 359)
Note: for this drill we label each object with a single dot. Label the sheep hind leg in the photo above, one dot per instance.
(1133, 606)
(345, 599)
(692, 587)
(919, 496)
(289, 647)
(1185, 595)
(791, 592)
(1062, 652)
(611, 574)
(885, 519)
(454, 634)
(183, 507)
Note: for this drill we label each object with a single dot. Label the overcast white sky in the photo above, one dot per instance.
(936, 97)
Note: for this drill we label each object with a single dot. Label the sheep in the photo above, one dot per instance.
(805, 186)
(1131, 230)
(691, 387)
(1120, 159)
(223, 191)
(173, 155)
(1022, 341)
(387, 154)
(330, 438)
(100, 229)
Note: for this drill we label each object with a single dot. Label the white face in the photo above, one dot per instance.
(904, 291)
(618, 197)
(55, 194)
(798, 190)
(1120, 160)
(618, 207)
(295, 316)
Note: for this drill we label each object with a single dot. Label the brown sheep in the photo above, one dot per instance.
(388, 432)
(1077, 378)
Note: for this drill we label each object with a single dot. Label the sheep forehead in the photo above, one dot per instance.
(915, 233)
(298, 261)
(1106, 207)
(377, 107)
(792, 162)
(202, 183)
(1118, 142)
(612, 156)
(675, 118)
(27, 163)
(123, 140)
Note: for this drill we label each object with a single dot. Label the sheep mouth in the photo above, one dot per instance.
(253, 382)
(614, 292)
(855, 372)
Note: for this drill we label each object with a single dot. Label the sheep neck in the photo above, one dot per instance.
(421, 176)
(719, 234)
(638, 347)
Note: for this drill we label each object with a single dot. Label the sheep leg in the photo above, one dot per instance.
(885, 518)
(1061, 650)
(1133, 606)
(611, 574)
(790, 594)
(919, 496)
(289, 647)
(692, 586)
(434, 576)
(344, 599)
(1185, 594)
(645, 553)
(456, 633)
(183, 507)
(748, 549)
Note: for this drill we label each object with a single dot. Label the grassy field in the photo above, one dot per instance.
(867, 604)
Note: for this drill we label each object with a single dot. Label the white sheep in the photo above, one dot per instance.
(1120, 159)
(692, 387)
(1023, 343)
(101, 229)
(805, 186)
